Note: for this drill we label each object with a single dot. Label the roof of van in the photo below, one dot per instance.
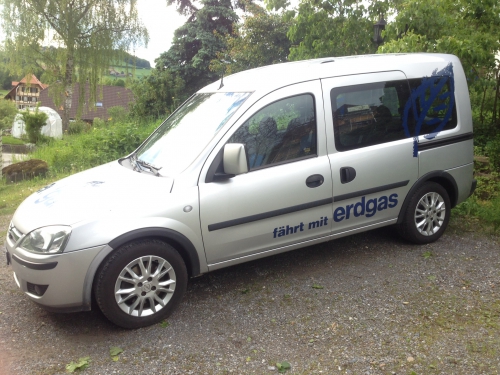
(279, 75)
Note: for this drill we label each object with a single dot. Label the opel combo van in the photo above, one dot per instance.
(261, 162)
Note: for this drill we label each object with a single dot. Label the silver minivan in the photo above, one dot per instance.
(261, 162)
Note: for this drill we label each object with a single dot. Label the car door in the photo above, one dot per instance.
(286, 197)
(370, 150)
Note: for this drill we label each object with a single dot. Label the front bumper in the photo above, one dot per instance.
(54, 281)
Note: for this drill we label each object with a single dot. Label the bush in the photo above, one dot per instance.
(117, 114)
(98, 123)
(34, 122)
(77, 127)
(8, 111)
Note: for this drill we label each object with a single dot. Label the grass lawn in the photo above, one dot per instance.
(9, 140)
(3, 93)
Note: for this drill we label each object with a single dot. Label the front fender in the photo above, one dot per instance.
(183, 245)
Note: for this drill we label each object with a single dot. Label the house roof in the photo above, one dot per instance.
(33, 81)
(111, 96)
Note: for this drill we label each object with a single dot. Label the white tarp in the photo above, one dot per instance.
(52, 128)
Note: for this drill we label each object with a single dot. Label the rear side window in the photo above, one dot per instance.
(281, 132)
(369, 114)
(432, 106)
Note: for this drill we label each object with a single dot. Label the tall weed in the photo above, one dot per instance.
(490, 213)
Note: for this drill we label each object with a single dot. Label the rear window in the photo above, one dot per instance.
(432, 108)
(375, 113)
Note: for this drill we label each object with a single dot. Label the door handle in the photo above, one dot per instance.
(315, 180)
(347, 174)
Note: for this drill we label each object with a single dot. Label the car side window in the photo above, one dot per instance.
(369, 114)
(433, 104)
(281, 132)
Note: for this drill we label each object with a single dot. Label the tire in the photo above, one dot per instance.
(427, 214)
(141, 283)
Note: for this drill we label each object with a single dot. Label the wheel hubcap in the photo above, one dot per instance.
(430, 214)
(145, 286)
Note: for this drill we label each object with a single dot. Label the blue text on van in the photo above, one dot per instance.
(365, 207)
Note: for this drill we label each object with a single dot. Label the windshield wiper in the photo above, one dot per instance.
(144, 164)
(133, 163)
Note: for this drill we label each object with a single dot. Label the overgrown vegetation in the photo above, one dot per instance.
(34, 122)
(482, 209)
(102, 143)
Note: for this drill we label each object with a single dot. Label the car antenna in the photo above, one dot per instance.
(221, 81)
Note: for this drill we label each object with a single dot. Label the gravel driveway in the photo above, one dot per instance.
(365, 304)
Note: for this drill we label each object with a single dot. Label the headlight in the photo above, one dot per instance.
(48, 240)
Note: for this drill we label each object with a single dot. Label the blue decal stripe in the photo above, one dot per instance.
(269, 214)
(374, 190)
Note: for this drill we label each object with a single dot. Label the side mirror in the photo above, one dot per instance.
(235, 159)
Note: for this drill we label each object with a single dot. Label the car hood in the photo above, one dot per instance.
(109, 189)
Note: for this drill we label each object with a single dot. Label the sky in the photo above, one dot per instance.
(161, 22)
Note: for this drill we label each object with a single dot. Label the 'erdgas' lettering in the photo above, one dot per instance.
(365, 207)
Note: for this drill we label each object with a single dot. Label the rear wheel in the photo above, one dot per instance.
(141, 283)
(427, 215)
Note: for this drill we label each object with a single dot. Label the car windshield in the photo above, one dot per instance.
(181, 138)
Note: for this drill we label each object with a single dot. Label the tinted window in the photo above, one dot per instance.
(369, 114)
(282, 131)
(433, 104)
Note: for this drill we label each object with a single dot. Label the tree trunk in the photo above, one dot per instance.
(494, 115)
(68, 92)
(481, 116)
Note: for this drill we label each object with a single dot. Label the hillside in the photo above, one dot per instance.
(121, 71)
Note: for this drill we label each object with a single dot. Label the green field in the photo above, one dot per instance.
(3, 93)
(137, 73)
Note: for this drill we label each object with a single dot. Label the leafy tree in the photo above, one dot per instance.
(260, 40)
(157, 95)
(8, 111)
(5, 79)
(72, 41)
(332, 28)
(469, 29)
(108, 81)
(135, 61)
(197, 42)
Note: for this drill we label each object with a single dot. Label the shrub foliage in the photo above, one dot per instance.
(101, 144)
(34, 122)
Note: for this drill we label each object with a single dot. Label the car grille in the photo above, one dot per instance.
(14, 234)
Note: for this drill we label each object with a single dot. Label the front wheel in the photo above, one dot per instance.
(427, 214)
(141, 283)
